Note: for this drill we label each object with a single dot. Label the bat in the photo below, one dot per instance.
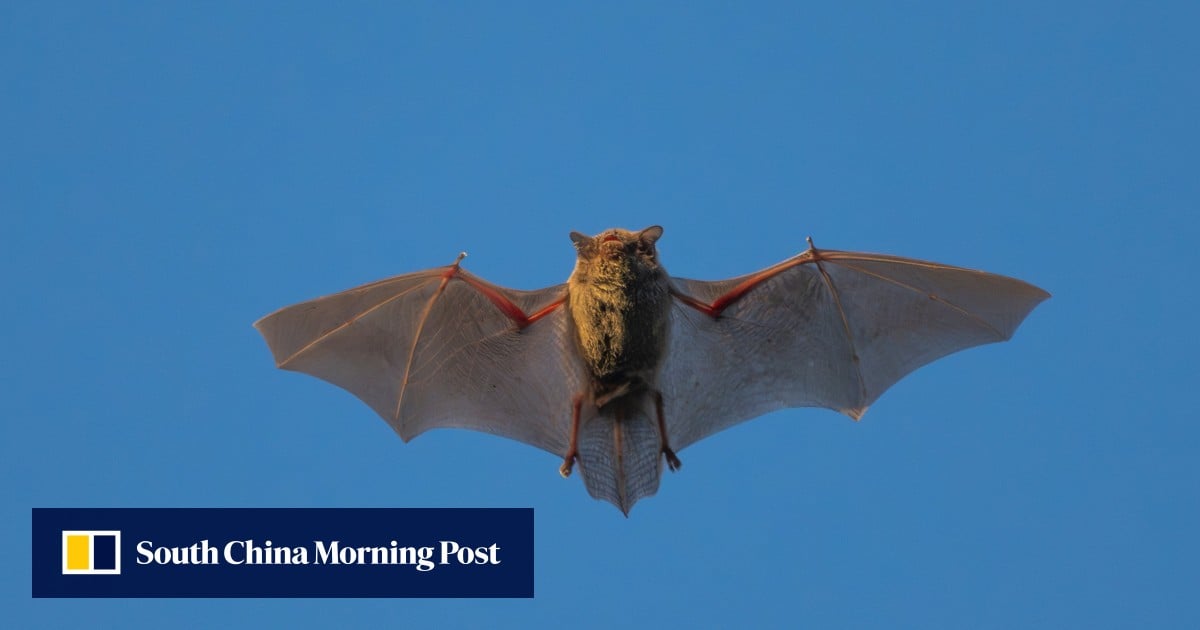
(624, 366)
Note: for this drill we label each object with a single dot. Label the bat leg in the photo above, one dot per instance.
(672, 461)
(613, 394)
(573, 449)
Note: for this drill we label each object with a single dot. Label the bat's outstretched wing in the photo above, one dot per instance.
(823, 329)
(440, 348)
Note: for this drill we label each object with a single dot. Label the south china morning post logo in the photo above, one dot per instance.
(90, 552)
(282, 552)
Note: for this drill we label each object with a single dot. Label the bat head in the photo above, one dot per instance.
(635, 249)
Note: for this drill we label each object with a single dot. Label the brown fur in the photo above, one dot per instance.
(620, 300)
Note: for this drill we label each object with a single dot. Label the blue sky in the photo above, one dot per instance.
(171, 172)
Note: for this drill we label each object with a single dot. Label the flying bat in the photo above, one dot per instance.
(624, 366)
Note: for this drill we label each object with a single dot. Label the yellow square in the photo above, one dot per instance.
(78, 552)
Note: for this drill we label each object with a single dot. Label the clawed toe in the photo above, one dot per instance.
(567, 465)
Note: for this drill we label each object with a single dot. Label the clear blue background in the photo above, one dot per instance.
(171, 173)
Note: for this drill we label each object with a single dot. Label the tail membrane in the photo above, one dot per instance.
(620, 452)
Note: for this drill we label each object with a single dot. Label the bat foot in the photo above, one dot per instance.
(672, 461)
(567, 465)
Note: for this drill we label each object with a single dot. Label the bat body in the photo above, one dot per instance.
(624, 365)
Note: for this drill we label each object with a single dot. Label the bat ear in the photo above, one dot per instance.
(580, 239)
(651, 234)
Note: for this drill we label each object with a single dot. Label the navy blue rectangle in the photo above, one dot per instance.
(197, 552)
(104, 552)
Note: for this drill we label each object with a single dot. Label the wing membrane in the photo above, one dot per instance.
(834, 329)
(428, 350)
